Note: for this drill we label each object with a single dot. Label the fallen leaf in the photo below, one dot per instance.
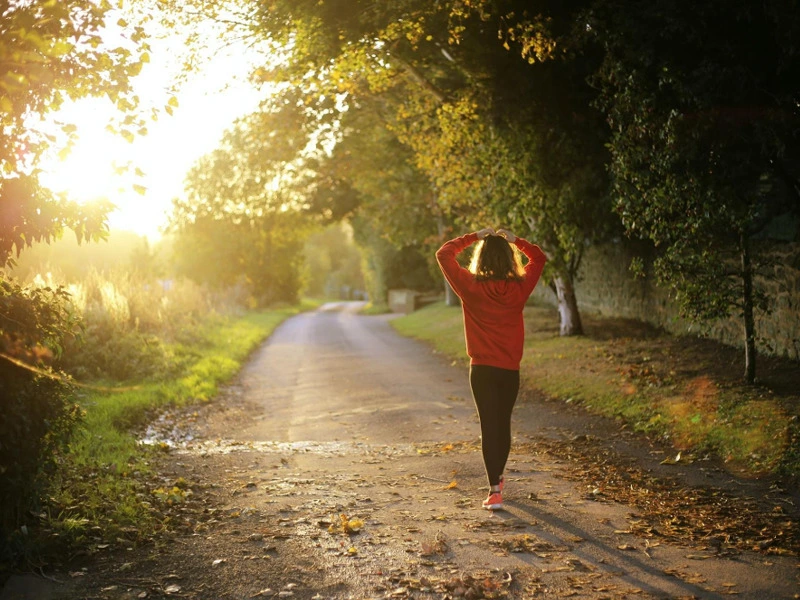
(626, 547)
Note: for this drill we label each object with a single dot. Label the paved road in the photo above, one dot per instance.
(343, 463)
(337, 387)
(334, 375)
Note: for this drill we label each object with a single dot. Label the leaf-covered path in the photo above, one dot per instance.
(344, 463)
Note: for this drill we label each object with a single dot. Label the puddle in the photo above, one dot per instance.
(167, 430)
(174, 430)
(336, 448)
(185, 443)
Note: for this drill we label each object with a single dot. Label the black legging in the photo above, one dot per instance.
(495, 392)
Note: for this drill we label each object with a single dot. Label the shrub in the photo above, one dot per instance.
(37, 415)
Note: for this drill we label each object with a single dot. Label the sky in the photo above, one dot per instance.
(208, 104)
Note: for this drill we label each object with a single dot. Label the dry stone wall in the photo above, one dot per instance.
(607, 287)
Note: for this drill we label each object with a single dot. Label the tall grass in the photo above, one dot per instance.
(135, 326)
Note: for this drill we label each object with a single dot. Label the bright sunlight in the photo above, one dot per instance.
(143, 176)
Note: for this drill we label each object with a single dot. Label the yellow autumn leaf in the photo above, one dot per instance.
(345, 525)
(354, 525)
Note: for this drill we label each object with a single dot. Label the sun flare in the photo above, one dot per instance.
(90, 170)
(141, 177)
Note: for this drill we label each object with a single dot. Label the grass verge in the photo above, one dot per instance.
(683, 390)
(375, 309)
(104, 490)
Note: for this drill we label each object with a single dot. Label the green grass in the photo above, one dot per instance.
(103, 482)
(375, 309)
(440, 325)
(646, 380)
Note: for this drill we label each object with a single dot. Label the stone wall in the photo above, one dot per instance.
(606, 287)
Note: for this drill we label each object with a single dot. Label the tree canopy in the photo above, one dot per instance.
(52, 53)
(704, 149)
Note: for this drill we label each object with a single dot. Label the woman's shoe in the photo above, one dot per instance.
(494, 501)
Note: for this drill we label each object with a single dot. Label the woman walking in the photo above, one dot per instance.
(493, 292)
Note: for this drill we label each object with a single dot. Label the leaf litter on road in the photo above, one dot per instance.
(668, 509)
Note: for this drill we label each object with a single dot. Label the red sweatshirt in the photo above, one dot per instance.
(493, 325)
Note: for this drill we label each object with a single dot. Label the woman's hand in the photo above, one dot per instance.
(510, 237)
(486, 231)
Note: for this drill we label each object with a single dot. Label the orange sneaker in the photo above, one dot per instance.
(494, 501)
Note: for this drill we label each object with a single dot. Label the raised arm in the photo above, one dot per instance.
(536, 258)
(536, 261)
(457, 276)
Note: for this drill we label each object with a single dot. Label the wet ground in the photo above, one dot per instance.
(344, 463)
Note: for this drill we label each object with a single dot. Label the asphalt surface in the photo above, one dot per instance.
(334, 375)
(351, 400)
(343, 463)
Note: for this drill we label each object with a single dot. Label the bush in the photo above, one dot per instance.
(37, 415)
(36, 422)
(129, 322)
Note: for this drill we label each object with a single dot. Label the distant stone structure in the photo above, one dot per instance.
(606, 286)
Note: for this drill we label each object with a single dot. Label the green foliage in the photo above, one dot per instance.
(333, 263)
(130, 320)
(37, 413)
(704, 140)
(241, 221)
(70, 261)
(54, 52)
(392, 209)
(388, 267)
(103, 481)
(37, 419)
(457, 114)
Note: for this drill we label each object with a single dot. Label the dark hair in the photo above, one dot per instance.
(495, 258)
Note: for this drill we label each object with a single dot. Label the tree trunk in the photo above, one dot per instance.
(747, 310)
(569, 316)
